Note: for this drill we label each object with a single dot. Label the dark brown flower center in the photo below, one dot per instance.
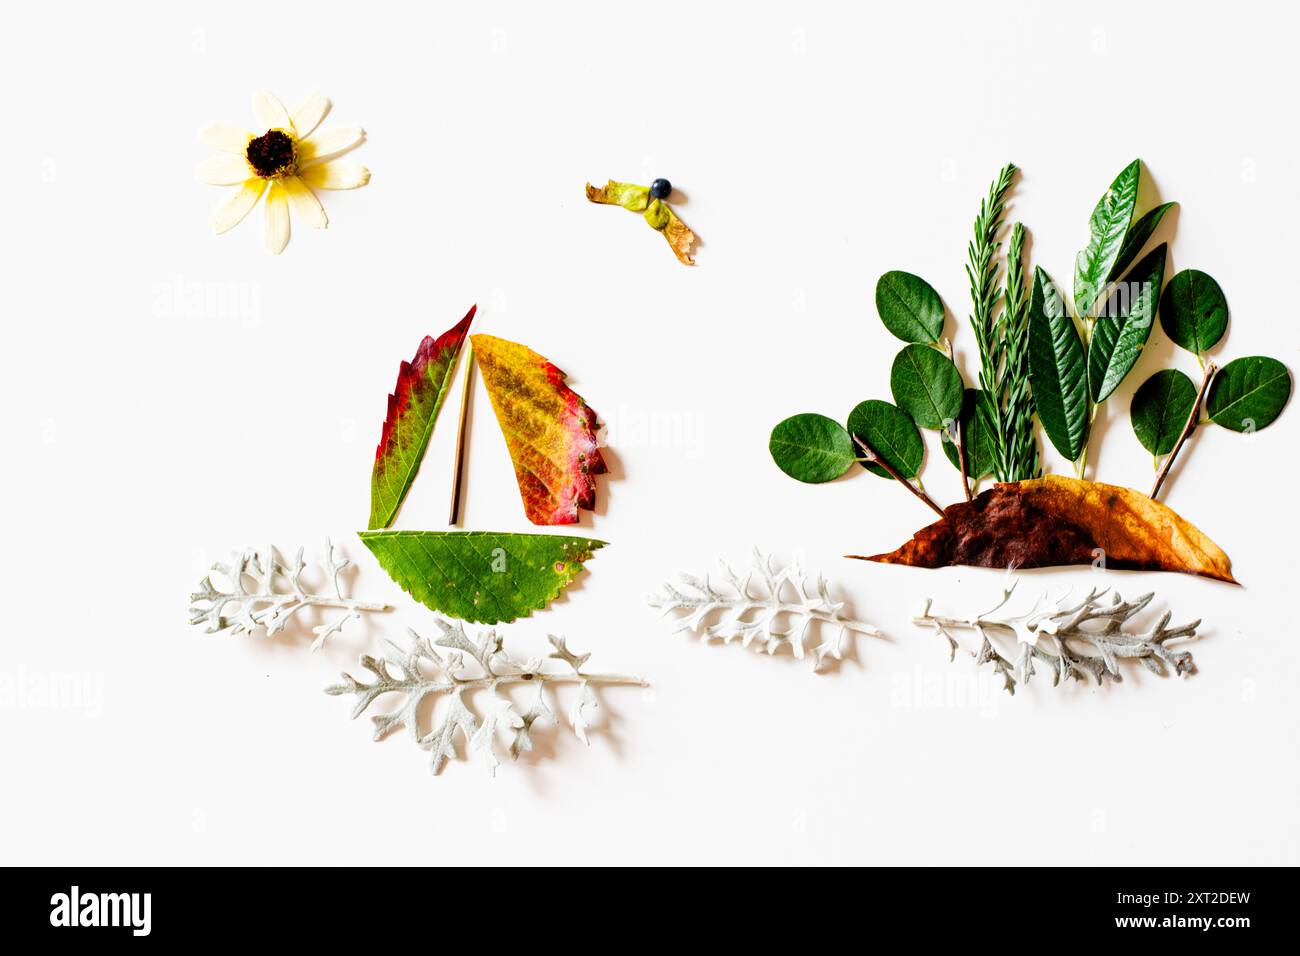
(271, 154)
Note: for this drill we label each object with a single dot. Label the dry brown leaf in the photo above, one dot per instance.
(679, 236)
(1057, 520)
(681, 239)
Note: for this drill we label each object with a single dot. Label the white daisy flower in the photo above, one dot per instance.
(284, 163)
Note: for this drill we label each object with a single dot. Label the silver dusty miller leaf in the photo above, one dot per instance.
(1077, 639)
(418, 671)
(765, 608)
(265, 594)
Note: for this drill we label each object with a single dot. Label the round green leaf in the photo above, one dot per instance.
(1160, 409)
(909, 307)
(981, 444)
(927, 386)
(1193, 311)
(1248, 393)
(811, 448)
(891, 434)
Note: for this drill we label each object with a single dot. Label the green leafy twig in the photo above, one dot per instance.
(1038, 360)
(1117, 314)
(1245, 395)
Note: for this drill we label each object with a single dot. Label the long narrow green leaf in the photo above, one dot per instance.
(1124, 324)
(1107, 229)
(981, 444)
(1057, 368)
(1136, 238)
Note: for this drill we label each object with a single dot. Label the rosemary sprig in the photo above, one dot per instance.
(986, 294)
(1002, 337)
(1019, 456)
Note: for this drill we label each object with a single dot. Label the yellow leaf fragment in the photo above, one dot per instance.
(628, 195)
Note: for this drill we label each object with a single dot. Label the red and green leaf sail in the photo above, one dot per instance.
(549, 429)
(412, 410)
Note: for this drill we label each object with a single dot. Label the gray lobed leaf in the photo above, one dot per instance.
(277, 594)
(1088, 638)
(416, 671)
(766, 608)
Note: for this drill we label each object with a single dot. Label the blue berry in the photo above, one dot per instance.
(660, 188)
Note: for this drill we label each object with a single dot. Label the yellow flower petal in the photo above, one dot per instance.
(226, 137)
(308, 116)
(304, 203)
(337, 174)
(329, 143)
(277, 218)
(270, 112)
(231, 211)
(224, 169)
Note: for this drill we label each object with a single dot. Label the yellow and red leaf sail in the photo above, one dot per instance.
(1057, 520)
(412, 410)
(549, 429)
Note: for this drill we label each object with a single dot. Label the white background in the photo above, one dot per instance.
(170, 396)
